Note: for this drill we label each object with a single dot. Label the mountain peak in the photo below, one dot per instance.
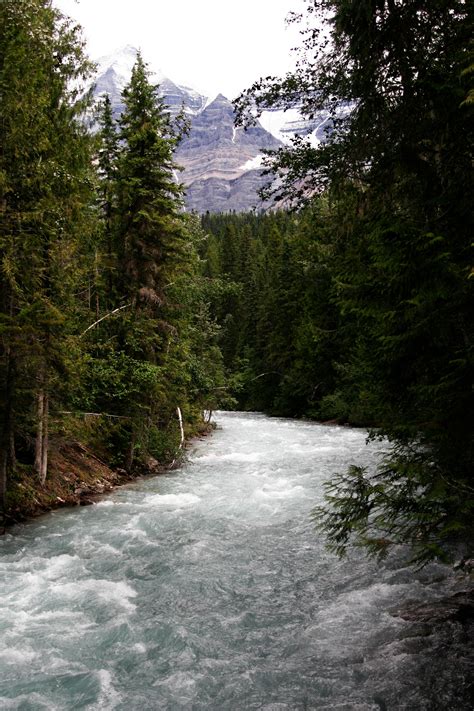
(122, 54)
(115, 70)
(221, 163)
(127, 50)
(121, 62)
(219, 100)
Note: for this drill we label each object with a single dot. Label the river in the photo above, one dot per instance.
(208, 588)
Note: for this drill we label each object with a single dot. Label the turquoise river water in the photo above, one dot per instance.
(208, 588)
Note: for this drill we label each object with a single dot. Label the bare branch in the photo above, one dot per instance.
(120, 308)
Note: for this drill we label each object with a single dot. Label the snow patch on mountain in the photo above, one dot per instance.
(285, 124)
(277, 123)
(252, 164)
(115, 70)
(121, 63)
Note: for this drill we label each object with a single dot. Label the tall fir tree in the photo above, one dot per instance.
(397, 161)
(150, 239)
(45, 193)
(108, 152)
(150, 200)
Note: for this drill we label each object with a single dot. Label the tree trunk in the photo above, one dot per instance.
(131, 453)
(97, 301)
(7, 434)
(42, 428)
(39, 433)
(12, 452)
(7, 438)
(181, 428)
(45, 440)
(3, 487)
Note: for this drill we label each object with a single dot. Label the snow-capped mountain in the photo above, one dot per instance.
(114, 72)
(285, 124)
(221, 164)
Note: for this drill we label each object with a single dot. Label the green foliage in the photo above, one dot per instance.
(395, 253)
(408, 500)
(159, 353)
(277, 322)
(104, 307)
(44, 212)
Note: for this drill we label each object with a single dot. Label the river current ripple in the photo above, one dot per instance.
(208, 588)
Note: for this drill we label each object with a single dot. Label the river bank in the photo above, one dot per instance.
(77, 476)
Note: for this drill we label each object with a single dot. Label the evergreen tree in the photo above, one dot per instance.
(45, 192)
(153, 358)
(107, 170)
(397, 163)
(150, 201)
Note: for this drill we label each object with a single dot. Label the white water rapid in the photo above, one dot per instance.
(209, 589)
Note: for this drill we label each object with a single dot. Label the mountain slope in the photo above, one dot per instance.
(221, 164)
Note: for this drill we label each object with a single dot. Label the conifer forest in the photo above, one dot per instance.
(124, 318)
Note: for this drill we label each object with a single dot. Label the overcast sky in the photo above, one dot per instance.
(212, 45)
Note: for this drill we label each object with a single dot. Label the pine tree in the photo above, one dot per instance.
(150, 250)
(397, 168)
(45, 192)
(107, 169)
(150, 200)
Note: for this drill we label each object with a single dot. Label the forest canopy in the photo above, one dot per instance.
(104, 329)
(368, 308)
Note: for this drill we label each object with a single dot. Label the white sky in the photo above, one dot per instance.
(211, 45)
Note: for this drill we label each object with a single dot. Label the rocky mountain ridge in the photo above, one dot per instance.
(221, 164)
